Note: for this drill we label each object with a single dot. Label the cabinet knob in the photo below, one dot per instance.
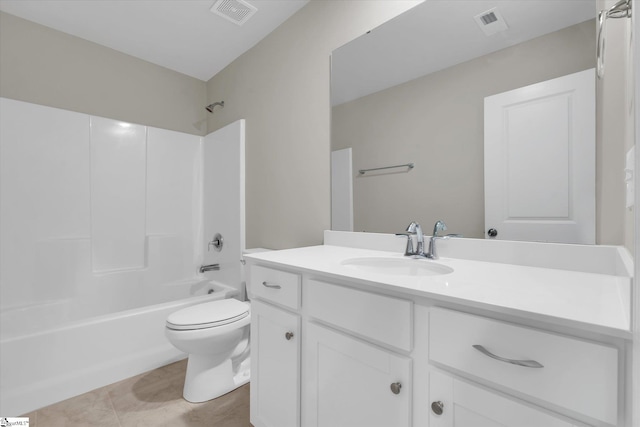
(492, 232)
(288, 335)
(395, 388)
(437, 407)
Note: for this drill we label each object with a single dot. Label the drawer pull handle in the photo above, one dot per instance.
(288, 336)
(437, 407)
(269, 285)
(395, 388)
(525, 363)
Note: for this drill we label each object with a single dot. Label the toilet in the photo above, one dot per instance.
(216, 337)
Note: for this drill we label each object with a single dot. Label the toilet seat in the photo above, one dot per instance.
(208, 315)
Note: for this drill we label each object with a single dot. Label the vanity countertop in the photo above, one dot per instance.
(595, 302)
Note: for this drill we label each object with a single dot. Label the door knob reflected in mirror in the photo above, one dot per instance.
(437, 407)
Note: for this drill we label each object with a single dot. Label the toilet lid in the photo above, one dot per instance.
(208, 315)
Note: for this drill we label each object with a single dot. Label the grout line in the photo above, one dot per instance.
(113, 408)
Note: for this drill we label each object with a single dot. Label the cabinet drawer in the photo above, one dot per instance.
(378, 317)
(577, 375)
(280, 287)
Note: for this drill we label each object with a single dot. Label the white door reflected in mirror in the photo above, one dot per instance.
(540, 161)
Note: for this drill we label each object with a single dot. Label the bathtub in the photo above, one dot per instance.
(52, 351)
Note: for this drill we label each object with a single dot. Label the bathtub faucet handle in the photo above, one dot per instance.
(217, 242)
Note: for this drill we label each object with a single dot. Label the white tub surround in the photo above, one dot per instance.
(347, 341)
(104, 225)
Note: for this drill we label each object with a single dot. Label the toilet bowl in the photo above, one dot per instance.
(216, 337)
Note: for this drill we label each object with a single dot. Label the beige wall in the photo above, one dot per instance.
(437, 121)
(281, 87)
(48, 67)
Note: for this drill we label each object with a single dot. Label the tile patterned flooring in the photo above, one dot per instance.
(152, 399)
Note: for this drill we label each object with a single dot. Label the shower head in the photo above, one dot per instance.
(209, 107)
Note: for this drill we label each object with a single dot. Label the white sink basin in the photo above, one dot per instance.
(398, 266)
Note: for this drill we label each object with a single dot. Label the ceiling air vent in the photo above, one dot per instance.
(491, 21)
(236, 11)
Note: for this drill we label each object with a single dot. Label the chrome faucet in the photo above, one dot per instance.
(209, 267)
(414, 229)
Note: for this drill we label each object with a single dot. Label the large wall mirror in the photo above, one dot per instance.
(412, 91)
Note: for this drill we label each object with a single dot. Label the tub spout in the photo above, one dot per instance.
(209, 267)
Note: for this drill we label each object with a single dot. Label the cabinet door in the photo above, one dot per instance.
(350, 383)
(465, 405)
(275, 367)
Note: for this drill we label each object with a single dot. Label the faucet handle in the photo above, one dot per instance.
(437, 227)
(413, 227)
(409, 249)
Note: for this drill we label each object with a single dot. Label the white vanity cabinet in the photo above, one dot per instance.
(275, 348)
(364, 355)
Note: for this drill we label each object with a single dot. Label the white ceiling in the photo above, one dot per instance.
(182, 35)
(438, 34)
